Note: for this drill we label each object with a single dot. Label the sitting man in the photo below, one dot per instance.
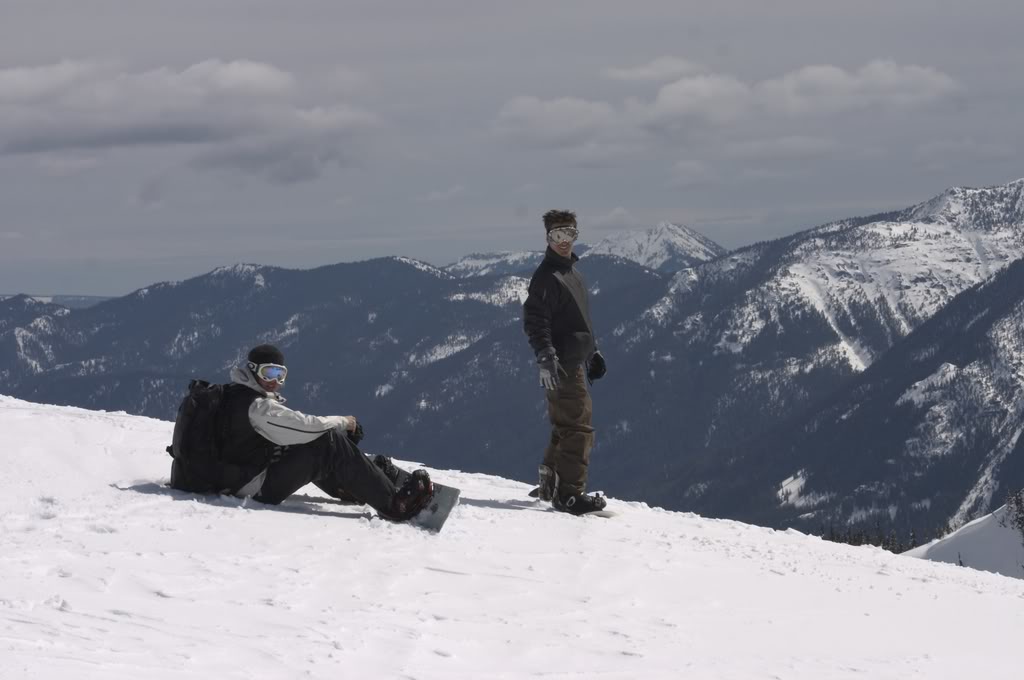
(270, 451)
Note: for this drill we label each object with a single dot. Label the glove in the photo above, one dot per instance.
(596, 367)
(356, 435)
(549, 369)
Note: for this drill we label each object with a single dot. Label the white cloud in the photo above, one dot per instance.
(597, 133)
(241, 115)
(719, 99)
(556, 122)
(243, 77)
(812, 90)
(661, 69)
(287, 158)
(24, 84)
(829, 89)
(584, 133)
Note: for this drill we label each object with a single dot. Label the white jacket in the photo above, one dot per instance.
(278, 423)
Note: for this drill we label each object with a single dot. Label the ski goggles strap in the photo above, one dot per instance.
(269, 372)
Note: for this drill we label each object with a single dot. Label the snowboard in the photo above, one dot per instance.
(433, 517)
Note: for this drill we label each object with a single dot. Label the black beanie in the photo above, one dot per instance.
(266, 354)
(553, 219)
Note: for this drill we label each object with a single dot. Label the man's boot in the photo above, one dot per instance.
(414, 495)
(386, 466)
(579, 504)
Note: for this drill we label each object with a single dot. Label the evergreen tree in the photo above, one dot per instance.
(1015, 512)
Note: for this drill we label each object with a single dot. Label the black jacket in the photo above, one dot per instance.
(557, 311)
(243, 445)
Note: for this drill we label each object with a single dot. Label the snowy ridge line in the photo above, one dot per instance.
(878, 276)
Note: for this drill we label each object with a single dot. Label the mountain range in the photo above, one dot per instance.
(711, 355)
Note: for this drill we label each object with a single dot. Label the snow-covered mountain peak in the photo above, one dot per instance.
(22, 301)
(241, 269)
(253, 273)
(981, 209)
(666, 247)
(422, 266)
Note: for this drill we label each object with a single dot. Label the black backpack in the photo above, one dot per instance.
(198, 439)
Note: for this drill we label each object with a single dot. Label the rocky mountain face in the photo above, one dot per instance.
(745, 341)
(929, 434)
(702, 362)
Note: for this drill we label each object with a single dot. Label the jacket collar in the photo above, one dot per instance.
(562, 263)
(240, 375)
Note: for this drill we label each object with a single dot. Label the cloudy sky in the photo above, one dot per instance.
(143, 141)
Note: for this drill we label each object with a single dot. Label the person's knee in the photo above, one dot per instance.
(341, 444)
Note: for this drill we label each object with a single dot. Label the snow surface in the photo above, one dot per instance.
(105, 573)
(988, 543)
(452, 345)
(423, 267)
(505, 291)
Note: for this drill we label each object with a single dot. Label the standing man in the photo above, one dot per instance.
(556, 317)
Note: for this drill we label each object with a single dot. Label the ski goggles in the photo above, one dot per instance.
(563, 235)
(269, 372)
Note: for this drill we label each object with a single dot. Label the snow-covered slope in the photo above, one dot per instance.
(666, 247)
(499, 263)
(929, 435)
(988, 543)
(106, 574)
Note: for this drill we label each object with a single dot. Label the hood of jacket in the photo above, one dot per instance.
(241, 375)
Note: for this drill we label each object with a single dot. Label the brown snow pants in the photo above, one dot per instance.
(570, 410)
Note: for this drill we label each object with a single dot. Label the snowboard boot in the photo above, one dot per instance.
(578, 503)
(548, 480)
(412, 496)
(386, 466)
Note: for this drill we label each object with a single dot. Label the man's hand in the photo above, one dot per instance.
(352, 423)
(549, 369)
(596, 367)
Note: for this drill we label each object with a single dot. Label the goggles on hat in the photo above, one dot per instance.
(269, 372)
(563, 235)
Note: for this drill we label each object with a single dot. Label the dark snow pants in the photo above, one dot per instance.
(570, 410)
(333, 463)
